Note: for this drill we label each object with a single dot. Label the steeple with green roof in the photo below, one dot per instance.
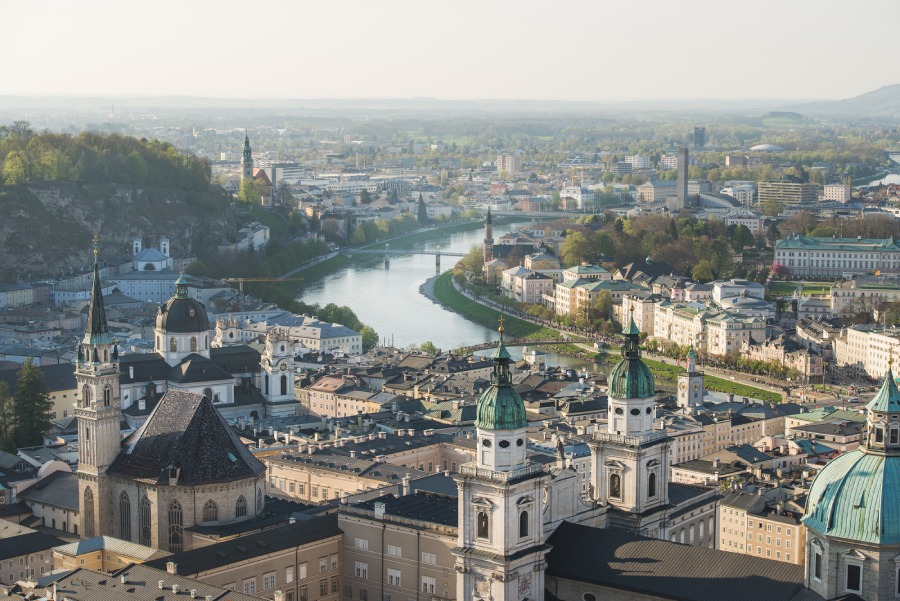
(631, 378)
(500, 406)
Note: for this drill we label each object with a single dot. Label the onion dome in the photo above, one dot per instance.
(856, 496)
(631, 378)
(182, 314)
(500, 407)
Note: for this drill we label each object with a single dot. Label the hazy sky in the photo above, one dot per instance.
(452, 49)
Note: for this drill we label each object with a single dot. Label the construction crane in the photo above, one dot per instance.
(240, 281)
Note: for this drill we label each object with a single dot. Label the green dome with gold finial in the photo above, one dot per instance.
(500, 407)
(631, 378)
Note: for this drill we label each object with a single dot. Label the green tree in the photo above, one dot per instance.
(575, 248)
(7, 419)
(742, 237)
(369, 338)
(251, 191)
(772, 208)
(32, 406)
(422, 212)
(703, 271)
(603, 306)
(772, 233)
(364, 197)
(428, 347)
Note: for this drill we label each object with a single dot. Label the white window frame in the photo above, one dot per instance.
(394, 577)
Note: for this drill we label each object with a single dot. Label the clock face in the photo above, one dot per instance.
(683, 386)
(283, 367)
(696, 386)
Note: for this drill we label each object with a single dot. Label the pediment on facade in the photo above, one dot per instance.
(614, 464)
(854, 554)
(483, 502)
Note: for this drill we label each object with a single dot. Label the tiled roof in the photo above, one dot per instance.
(197, 368)
(59, 489)
(116, 545)
(421, 506)
(187, 432)
(662, 569)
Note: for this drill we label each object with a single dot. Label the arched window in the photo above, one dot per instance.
(173, 346)
(107, 396)
(158, 344)
(483, 525)
(205, 342)
(85, 396)
(88, 510)
(176, 530)
(106, 355)
(615, 486)
(523, 524)
(651, 485)
(145, 522)
(240, 508)
(193, 344)
(266, 380)
(283, 385)
(260, 502)
(210, 511)
(208, 393)
(124, 516)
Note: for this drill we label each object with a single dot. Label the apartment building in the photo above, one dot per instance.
(788, 193)
(838, 192)
(751, 524)
(867, 347)
(837, 257)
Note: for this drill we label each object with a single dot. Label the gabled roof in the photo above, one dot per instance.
(186, 432)
(197, 368)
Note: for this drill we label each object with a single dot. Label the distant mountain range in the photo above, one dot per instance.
(883, 102)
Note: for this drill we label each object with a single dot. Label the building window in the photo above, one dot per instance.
(144, 524)
(363, 594)
(173, 346)
(348, 591)
(334, 563)
(289, 574)
(85, 396)
(124, 516)
(240, 507)
(817, 566)
(394, 551)
(429, 558)
(615, 486)
(210, 511)
(107, 396)
(482, 527)
(268, 581)
(427, 585)
(393, 577)
(88, 513)
(651, 485)
(283, 385)
(362, 570)
(303, 595)
(853, 580)
(334, 584)
(323, 587)
(250, 586)
(193, 344)
(361, 543)
(176, 531)
(523, 524)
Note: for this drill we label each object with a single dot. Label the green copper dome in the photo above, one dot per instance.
(500, 407)
(888, 398)
(630, 378)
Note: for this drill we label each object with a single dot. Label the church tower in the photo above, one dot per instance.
(278, 374)
(98, 412)
(488, 238)
(227, 333)
(630, 459)
(690, 385)
(246, 160)
(500, 550)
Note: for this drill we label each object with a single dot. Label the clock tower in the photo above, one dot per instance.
(500, 550)
(690, 385)
(278, 374)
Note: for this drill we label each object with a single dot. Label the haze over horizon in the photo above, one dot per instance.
(582, 51)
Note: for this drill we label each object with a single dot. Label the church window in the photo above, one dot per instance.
(504, 444)
(176, 529)
(266, 380)
(173, 346)
(124, 516)
(106, 355)
(651, 485)
(879, 434)
(144, 523)
(619, 411)
(107, 396)
(482, 525)
(649, 410)
(210, 511)
(523, 524)
(853, 581)
(894, 435)
(589, 597)
(486, 442)
(85, 395)
(89, 513)
(158, 344)
(283, 385)
(615, 486)
(208, 393)
(259, 500)
(635, 411)
(519, 442)
(193, 343)
(817, 566)
(240, 508)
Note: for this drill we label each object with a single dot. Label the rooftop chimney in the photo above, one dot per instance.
(171, 568)
(379, 510)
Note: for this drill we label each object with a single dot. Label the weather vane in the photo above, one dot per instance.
(96, 241)
(500, 329)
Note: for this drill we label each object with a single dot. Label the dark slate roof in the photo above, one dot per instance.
(147, 367)
(197, 368)
(24, 544)
(246, 548)
(421, 506)
(187, 432)
(59, 489)
(58, 377)
(236, 359)
(659, 568)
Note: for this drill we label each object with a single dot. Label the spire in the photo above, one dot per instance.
(500, 407)
(888, 398)
(488, 220)
(181, 285)
(97, 329)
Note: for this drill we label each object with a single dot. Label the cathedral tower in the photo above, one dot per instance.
(246, 160)
(630, 459)
(488, 238)
(98, 412)
(500, 551)
(278, 374)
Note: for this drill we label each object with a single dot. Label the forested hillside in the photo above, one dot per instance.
(58, 190)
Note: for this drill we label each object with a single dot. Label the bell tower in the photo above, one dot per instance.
(500, 550)
(690, 385)
(246, 160)
(278, 369)
(488, 238)
(98, 409)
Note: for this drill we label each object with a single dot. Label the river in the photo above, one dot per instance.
(388, 298)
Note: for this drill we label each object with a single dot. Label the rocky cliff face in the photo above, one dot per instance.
(46, 229)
